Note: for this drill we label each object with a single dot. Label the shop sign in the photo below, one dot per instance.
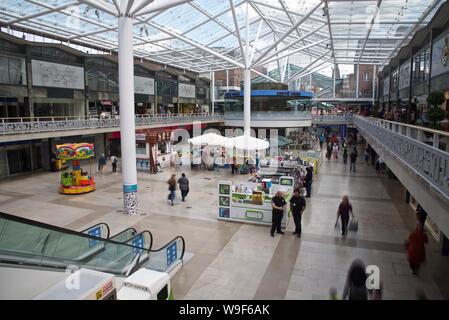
(143, 85)
(106, 102)
(48, 74)
(186, 90)
(440, 56)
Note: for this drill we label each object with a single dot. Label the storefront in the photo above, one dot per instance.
(167, 93)
(186, 94)
(202, 96)
(144, 93)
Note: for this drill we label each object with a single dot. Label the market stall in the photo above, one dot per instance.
(76, 181)
(250, 202)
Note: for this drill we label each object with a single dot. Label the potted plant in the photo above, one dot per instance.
(435, 113)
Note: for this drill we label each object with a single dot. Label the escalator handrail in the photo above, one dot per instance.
(123, 231)
(99, 224)
(170, 242)
(60, 229)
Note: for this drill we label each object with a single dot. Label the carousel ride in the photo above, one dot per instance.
(76, 181)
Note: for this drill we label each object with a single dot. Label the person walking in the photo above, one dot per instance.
(322, 138)
(335, 151)
(416, 251)
(355, 286)
(366, 156)
(172, 188)
(278, 204)
(345, 154)
(183, 186)
(343, 211)
(297, 207)
(421, 215)
(101, 163)
(308, 181)
(352, 159)
(114, 161)
(329, 151)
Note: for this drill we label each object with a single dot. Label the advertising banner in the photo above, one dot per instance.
(48, 74)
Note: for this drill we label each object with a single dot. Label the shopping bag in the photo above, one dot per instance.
(353, 225)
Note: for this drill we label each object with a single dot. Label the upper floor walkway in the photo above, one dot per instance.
(19, 129)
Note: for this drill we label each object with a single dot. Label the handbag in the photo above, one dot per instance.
(353, 225)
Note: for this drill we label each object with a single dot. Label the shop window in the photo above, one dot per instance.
(366, 76)
(141, 148)
(4, 73)
(19, 160)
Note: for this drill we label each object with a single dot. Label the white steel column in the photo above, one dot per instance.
(357, 79)
(335, 74)
(227, 80)
(212, 92)
(247, 102)
(127, 117)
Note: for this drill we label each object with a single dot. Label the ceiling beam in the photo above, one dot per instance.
(286, 34)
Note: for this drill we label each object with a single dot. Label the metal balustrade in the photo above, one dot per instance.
(424, 151)
(332, 118)
(10, 126)
(270, 115)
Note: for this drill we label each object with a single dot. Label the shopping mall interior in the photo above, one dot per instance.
(224, 150)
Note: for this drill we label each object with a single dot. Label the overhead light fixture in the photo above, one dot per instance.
(86, 10)
(97, 13)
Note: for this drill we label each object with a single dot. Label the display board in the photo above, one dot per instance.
(440, 55)
(186, 90)
(386, 87)
(48, 74)
(143, 85)
(404, 75)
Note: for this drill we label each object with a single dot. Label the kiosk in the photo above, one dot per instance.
(76, 181)
(250, 202)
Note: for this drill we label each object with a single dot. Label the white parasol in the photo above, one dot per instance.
(212, 139)
(247, 143)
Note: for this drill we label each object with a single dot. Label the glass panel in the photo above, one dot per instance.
(4, 73)
(166, 257)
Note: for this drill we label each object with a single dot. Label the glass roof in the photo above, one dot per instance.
(207, 35)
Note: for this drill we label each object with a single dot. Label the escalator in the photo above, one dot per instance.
(33, 244)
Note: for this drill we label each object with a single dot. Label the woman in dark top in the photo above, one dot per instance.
(343, 212)
(355, 287)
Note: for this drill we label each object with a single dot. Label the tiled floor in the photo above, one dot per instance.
(238, 261)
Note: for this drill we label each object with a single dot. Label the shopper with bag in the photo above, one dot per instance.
(343, 211)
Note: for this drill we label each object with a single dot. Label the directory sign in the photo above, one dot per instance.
(172, 253)
(96, 232)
